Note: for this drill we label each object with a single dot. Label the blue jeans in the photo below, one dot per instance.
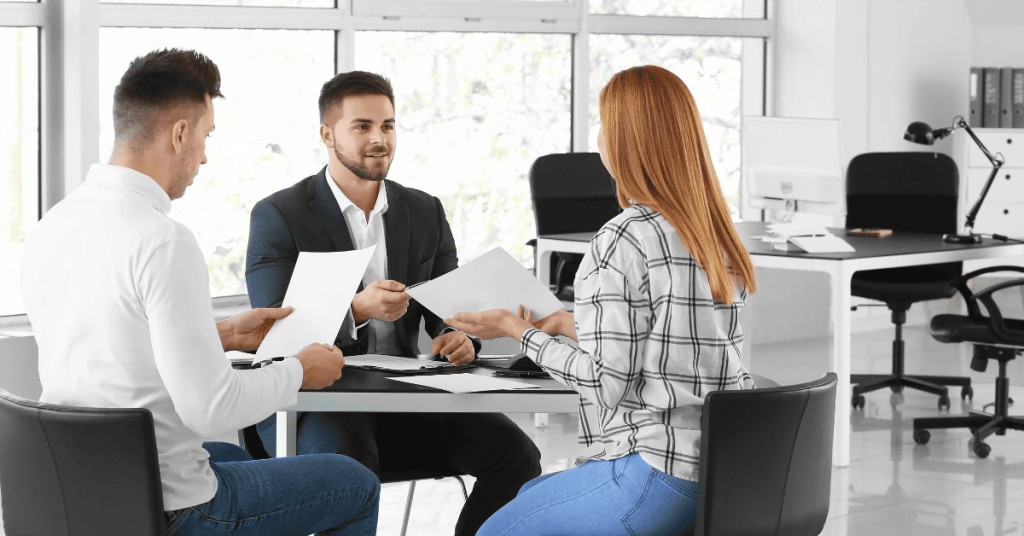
(622, 496)
(300, 495)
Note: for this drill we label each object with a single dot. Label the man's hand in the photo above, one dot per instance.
(383, 299)
(321, 365)
(454, 345)
(245, 331)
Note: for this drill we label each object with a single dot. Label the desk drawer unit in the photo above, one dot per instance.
(1003, 210)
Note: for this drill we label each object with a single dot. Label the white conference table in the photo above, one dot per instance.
(371, 391)
(897, 250)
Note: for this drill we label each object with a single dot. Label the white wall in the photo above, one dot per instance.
(877, 66)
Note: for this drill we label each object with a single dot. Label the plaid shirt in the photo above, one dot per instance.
(652, 342)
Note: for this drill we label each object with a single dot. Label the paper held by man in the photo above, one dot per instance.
(321, 289)
(495, 280)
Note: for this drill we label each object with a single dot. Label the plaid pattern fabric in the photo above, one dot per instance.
(652, 343)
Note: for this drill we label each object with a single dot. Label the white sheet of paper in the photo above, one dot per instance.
(390, 362)
(466, 383)
(822, 244)
(494, 280)
(797, 229)
(321, 291)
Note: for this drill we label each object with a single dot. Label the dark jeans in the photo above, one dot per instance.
(488, 446)
(324, 494)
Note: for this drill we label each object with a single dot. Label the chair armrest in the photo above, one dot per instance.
(996, 321)
(960, 284)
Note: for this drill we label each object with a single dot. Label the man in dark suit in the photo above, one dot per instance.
(349, 205)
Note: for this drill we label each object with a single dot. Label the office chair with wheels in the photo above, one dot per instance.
(766, 460)
(571, 193)
(73, 471)
(250, 440)
(909, 192)
(993, 337)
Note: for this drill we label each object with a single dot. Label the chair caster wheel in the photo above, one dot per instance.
(944, 402)
(896, 388)
(896, 399)
(921, 437)
(858, 401)
(967, 392)
(982, 450)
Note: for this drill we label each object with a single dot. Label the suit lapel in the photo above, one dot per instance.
(396, 233)
(326, 208)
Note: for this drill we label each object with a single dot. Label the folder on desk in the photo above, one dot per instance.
(990, 109)
(1018, 98)
(1006, 97)
(976, 90)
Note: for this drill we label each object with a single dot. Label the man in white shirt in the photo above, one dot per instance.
(118, 296)
(350, 205)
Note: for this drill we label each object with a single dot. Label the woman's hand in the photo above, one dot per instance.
(557, 323)
(490, 324)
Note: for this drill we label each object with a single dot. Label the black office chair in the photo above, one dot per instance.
(571, 193)
(766, 460)
(78, 471)
(909, 192)
(250, 440)
(993, 337)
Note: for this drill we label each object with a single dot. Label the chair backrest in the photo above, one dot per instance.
(766, 460)
(71, 471)
(571, 193)
(911, 192)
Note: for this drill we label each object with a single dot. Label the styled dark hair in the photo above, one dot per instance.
(353, 83)
(159, 82)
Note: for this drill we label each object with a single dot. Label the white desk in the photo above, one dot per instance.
(371, 391)
(896, 250)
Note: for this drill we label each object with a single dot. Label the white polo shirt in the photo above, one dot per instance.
(119, 300)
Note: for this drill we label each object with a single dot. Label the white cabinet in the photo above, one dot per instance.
(1003, 209)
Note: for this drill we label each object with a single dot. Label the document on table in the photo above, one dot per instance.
(822, 244)
(321, 291)
(466, 383)
(494, 280)
(394, 363)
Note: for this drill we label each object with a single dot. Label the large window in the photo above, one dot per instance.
(483, 88)
(710, 66)
(267, 127)
(473, 111)
(19, 156)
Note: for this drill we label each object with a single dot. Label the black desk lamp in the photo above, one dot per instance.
(921, 133)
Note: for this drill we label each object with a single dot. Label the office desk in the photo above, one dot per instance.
(371, 391)
(896, 250)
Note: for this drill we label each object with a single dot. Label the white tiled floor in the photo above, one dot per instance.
(892, 487)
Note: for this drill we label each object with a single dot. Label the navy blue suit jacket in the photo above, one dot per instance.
(306, 217)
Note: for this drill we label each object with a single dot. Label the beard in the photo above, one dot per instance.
(360, 171)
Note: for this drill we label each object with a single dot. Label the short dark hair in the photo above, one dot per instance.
(353, 83)
(158, 82)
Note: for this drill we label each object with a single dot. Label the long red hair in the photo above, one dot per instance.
(659, 158)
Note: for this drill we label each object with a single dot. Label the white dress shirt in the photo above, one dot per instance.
(119, 300)
(383, 338)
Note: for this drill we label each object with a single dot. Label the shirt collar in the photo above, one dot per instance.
(123, 178)
(379, 207)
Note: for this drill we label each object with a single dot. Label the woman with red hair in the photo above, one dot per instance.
(657, 300)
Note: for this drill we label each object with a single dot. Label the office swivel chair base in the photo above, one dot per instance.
(980, 424)
(898, 380)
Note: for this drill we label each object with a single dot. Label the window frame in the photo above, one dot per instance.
(69, 57)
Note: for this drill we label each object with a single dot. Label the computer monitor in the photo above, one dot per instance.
(793, 165)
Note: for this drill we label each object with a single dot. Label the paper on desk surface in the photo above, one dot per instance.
(321, 291)
(466, 383)
(822, 244)
(796, 229)
(494, 280)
